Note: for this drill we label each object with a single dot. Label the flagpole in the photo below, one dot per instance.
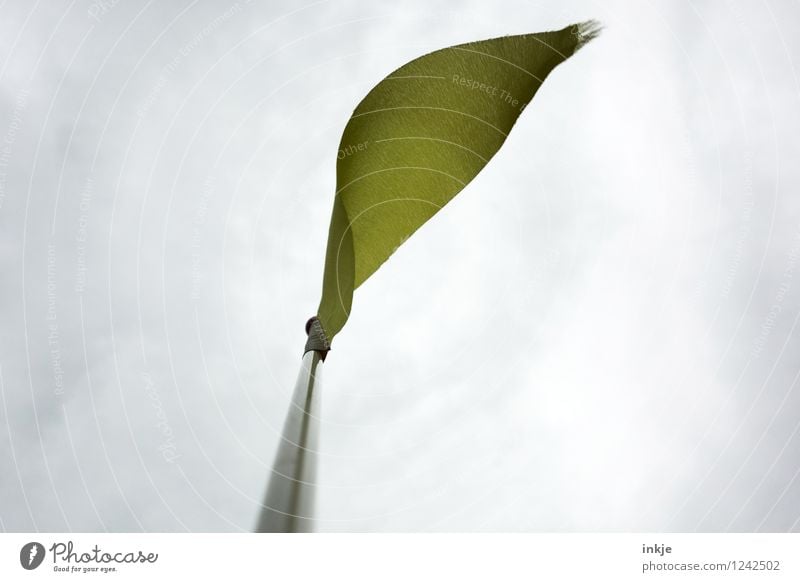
(289, 501)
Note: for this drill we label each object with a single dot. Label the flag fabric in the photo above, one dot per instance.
(417, 139)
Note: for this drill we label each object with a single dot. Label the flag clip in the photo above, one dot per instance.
(317, 341)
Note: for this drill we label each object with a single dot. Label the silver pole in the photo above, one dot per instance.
(289, 501)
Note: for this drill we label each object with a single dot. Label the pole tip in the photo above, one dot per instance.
(317, 340)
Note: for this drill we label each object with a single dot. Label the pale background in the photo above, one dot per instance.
(598, 334)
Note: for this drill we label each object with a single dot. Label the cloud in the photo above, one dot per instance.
(609, 351)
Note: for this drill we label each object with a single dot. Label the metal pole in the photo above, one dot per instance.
(289, 501)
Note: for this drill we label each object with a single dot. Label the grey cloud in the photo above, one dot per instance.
(587, 339)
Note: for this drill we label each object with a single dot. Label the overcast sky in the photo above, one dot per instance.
(598, 334)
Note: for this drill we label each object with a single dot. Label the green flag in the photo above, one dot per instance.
(419, 137)
(412, 144)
